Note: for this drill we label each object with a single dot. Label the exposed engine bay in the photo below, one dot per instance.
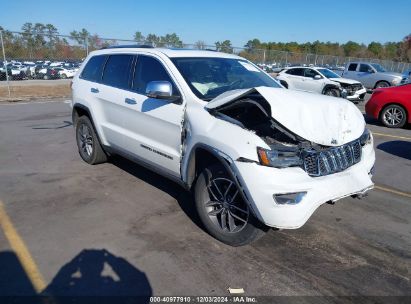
(254, 113)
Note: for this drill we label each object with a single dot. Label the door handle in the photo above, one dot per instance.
(130, 101)
(94, 90)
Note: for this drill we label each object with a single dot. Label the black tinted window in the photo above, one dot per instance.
(296, 72)
(93, 69)
(149, 69)
(310, 73)
(365, 68)
(117, 71)
(352, 67)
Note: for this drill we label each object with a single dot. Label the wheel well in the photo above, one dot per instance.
(284, 83)
(381, 81)
(390, 104)
(330, 86)
(200, 159)
(79, 111)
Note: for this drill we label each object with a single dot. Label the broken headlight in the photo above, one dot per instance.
(280, 157)
(365, 138)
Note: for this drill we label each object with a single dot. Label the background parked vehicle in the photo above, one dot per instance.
(391, 106)
(48, 73)
(323, 81)
(406, 77)
(371, 75)
(65, 72)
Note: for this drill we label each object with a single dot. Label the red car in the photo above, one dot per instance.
(391, 106)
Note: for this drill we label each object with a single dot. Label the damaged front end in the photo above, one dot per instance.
(310, 150)
(286, 149)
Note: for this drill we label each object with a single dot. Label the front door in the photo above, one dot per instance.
(153, 125)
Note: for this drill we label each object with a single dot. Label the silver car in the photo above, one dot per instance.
(371, 75)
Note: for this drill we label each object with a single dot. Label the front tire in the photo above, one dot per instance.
(382, 84)
(88, 144)
(222, 210)
(332, 92)
(393, 116)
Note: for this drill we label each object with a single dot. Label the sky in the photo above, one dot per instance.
(216, 20)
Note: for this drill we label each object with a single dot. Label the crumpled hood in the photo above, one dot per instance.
(320, 119)
(345, 80)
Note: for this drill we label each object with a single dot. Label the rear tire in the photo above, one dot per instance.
(393, 116)
(88, 144)
(222, 210)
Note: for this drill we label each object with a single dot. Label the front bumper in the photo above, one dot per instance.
(358, 95)
(260, 184)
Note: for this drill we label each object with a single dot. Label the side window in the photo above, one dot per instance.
(352, 67)
(296, 72)
(117, 71)
(150, 69)
(310, 73)
(93, 69)
(290, 71)
(365, 68)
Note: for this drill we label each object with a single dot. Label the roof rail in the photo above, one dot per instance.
(140, 46)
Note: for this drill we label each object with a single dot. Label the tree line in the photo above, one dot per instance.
(39, 40)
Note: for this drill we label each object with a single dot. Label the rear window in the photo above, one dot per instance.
(117, 71)
(296, 72)
(352, 67)
(93, 69)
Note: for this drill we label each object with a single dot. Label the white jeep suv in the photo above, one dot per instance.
(323, 81)
(254, 154)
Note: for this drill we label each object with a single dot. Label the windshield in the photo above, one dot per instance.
(210, 77)
(328, 74)
(378, 67)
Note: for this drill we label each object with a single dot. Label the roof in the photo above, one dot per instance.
(172, 53)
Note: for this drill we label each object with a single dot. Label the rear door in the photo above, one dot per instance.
(153, 125)
(111, 95)
(295, 77)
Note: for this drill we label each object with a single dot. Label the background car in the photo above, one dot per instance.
(406, 77)
(48, 73)
(371, 75)
(391, 106)
(65, 72)
(321, 80)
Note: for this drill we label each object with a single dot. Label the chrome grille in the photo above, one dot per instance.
(332, 160)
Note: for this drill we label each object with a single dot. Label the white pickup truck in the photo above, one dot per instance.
(371, 75)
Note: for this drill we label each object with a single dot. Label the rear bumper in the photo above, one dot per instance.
(262, 183)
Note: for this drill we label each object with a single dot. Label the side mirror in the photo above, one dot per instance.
(317, 77)
(160, 90)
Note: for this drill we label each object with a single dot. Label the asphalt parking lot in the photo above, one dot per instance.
(117, 228)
